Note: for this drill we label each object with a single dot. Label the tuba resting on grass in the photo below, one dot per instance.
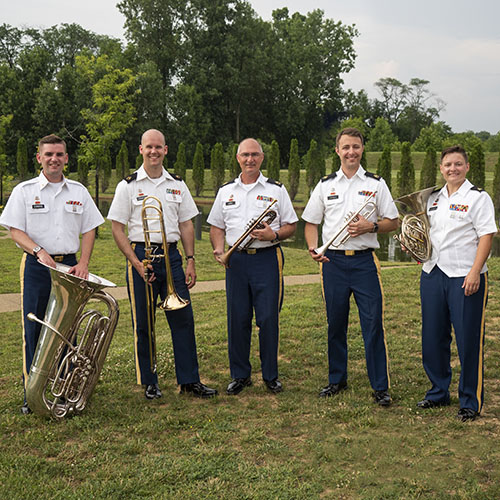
(415, 225)
(72, 346)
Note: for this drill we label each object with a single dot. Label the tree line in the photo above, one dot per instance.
(206, 73)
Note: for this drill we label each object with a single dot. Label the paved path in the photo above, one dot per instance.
(12, 301)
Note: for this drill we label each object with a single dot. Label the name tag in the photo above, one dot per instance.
(35, 207)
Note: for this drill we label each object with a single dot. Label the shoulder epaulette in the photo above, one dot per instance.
(436, 190)
(228, 182)
(177, 177)
(372, 175)
(475, 188)
(330, 176)
(130, 178)
(276, 183)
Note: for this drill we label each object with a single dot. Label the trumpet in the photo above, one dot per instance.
(339, 238)
(152, 212)
(266, 216)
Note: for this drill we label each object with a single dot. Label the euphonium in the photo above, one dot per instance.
(342, 235)
(154, 213)
(266, 216)
(72, 346)
(415, 226)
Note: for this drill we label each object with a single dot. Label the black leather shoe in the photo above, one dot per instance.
(465, 414)
(152, 391)
(425, 404)
(274, 386)
(332, 389)
(199, 390)
(25, 409)
(237, 385)
(382, 398)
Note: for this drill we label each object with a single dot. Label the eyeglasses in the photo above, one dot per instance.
(249, 155)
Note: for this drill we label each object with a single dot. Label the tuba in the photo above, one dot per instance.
(415, 225)
(153, 212)
(342, 235)
(64, 373)
(266, 216)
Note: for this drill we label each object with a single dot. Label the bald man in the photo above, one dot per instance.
(178, 209)
(254, 278)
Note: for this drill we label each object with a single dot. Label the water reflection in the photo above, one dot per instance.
(389, 248)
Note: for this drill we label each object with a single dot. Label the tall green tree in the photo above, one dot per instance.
(198, 169)
(273, 165)
(106, 170)
(83, 170)
(406, 173)
(234, 166)
(112, 111)
(384, 166)
(293, 169)
(313, 164)
(335, 161)
(138, 161)
(4, 124)
(380, 136)
(22, 159)
(429, 169)
(217, 166)
(180, 162)
(477, 169)
(496, 186)
(122, 165)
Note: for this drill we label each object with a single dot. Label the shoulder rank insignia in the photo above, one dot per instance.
(436, 190)
(330, 176)
(131, 177)
(276, 183)
(372, 175)
(475, 188)
(177, 177)
(228, 182)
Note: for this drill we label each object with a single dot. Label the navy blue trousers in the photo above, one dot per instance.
(444, 304)
(358, 275)
(254, 282)
(35, 292)
(181, 321)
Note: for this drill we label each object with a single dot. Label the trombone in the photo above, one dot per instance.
(343, 235)
(152, 212)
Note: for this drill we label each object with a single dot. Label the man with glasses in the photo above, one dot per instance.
(254, 277)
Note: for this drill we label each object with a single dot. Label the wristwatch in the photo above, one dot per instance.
(189, 257)
(276, 237)
(36, 250)
(375, 228)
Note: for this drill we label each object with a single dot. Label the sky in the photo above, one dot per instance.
(454, 44)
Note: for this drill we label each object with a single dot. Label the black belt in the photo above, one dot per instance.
(155, 245)
(57, 257)
(253, 251)
(351, 252)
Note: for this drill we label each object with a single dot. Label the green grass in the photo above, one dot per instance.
(257, 445)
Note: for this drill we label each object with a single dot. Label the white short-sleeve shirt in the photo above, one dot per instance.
(456, 224)
(236, 204)
(177, 204)
(335, 197)
(53, 217)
